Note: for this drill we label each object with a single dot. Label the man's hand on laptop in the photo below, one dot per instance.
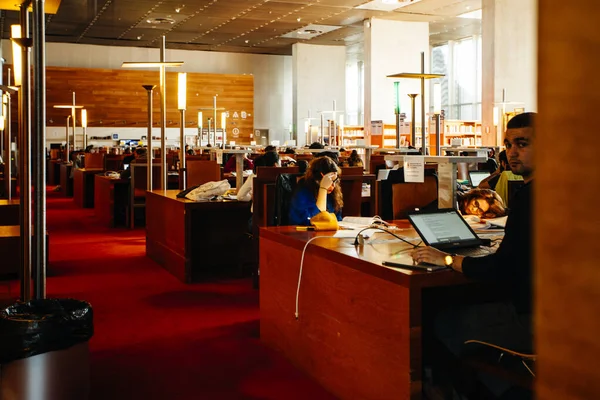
(434, 256)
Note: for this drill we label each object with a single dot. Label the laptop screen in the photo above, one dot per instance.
(444, 229)
(477, 176)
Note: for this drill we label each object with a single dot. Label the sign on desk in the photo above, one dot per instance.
(414, 169)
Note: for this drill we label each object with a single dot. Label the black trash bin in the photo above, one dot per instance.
(44, 349)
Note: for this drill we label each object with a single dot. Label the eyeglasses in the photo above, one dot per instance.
(477, 207)
(336, 180)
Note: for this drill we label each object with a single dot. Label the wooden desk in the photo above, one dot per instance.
(83, 186)
(9, 212)
(66, 182)
(110, 200)
(10, 255)
(196, 240)
(359, 331)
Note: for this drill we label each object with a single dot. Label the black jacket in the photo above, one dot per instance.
(512, 263)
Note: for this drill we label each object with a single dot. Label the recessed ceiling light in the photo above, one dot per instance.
(299, 19)
(247, 41)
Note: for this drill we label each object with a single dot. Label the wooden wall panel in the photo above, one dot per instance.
(115, 98)
(567, 228)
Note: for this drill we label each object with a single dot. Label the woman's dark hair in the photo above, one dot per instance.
(316, 145)
(354, 160)
(493, 199)
(270, 148)
(302, 166)
(270, 158)
(290, 150)
(316, 169)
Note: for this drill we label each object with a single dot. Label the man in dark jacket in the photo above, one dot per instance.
(507, 324)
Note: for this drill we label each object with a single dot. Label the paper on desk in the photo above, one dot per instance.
(500, 221)
(351, 233)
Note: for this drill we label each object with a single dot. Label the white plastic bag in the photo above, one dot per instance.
(209, 190)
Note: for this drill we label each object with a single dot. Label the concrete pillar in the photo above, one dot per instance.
(393, 47)
(509, 31)
(319, 79)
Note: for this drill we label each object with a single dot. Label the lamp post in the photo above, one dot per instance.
(437, 111)
(224, 126)
(67, 138)
(199, 138)
(150, 153)
(162, 65)
(72, 107)
(84, 127)
(413, 127)
(181, 105)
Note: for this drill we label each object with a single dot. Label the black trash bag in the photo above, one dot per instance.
(42, 326)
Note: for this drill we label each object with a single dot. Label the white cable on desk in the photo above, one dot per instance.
(300, 274)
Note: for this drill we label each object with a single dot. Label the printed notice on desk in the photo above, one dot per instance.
(219, 157)
(414, 169)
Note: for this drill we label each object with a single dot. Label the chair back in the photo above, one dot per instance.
(139, 172)
(284, 190)
(94, 160)
(273, 172)
(263, 194)
(202, 171)
(113, 162)
(352, 171)
(397, 198)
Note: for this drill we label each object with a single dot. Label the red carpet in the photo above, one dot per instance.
(156, 338)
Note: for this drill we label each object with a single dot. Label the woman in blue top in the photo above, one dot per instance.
(318, 191)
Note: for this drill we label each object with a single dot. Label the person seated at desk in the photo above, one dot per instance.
(484, 203)
(318, 191)
(498, 181)
(508, 323)
(188, 150)
(129, 157)
(139, 155)
(354, 160)
(269, 159)
(230, 165)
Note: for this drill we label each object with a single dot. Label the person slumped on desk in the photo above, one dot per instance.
(318, 191)
(506, 324)
(484, 203)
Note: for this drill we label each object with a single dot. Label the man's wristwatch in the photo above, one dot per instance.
(449, 260)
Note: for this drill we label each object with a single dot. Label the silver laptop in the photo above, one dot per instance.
(443, 229)
(475, 177)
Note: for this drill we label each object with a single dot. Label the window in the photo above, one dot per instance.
(461, 62)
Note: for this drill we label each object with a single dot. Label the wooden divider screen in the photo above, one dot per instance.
(116, 98)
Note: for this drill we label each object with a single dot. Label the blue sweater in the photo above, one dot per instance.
(304, 206)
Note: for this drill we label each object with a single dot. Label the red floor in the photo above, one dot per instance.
(156, 338)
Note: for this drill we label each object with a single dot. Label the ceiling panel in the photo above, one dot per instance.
(237, 25)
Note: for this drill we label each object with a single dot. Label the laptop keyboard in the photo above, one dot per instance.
(474, 252)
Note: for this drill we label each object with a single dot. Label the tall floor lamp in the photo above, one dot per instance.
(181, 105)
(150, 152)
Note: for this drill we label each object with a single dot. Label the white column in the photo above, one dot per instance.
(509, 30)
(392, 47)
(319, 79)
